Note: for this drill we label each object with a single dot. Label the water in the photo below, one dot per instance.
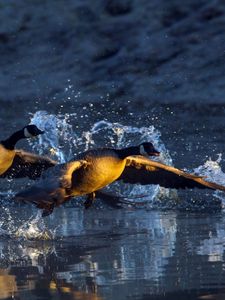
(170, 248)
(101, 254)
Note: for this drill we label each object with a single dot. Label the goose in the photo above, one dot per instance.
(95, 169)
(17, 163)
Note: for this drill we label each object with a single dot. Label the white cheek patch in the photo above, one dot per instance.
(27, 134)
(142, 151)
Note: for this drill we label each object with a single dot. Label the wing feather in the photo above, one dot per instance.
(27, 164)
(145, 171)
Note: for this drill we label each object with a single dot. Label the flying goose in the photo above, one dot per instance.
(17, 163)
(95, 169)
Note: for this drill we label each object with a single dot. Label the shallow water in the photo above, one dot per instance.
(171, 248)
(123, 254)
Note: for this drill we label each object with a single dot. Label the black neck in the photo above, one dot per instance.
(13, 139)
(123, 153)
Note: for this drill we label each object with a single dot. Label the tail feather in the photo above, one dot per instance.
(42, 198)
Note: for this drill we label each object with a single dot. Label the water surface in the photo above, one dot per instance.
(171, 248)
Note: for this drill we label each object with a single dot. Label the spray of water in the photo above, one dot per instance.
(67, 144)
(59, 137)
(212, 171)
(63, 144)
(34, 228)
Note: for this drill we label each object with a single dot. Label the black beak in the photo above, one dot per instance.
(40, 131)
(154, 153)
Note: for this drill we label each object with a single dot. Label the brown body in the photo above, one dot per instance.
(100, 171)
(95, 169)
(6, 159)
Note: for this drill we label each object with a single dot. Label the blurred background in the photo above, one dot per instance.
(118, 51)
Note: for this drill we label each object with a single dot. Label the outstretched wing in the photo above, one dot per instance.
(27, 164)
(53, 189)
(145, 171)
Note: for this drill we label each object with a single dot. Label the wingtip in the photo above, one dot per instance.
(212, 185)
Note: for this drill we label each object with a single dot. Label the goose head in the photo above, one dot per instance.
(31, 131)
(147, 149)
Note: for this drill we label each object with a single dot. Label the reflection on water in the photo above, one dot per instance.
(102, 254)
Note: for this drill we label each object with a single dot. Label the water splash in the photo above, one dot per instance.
(117, 135)
(59, 137)
(34, 229)
(213, 172)
(107, 134)
(61, 141)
